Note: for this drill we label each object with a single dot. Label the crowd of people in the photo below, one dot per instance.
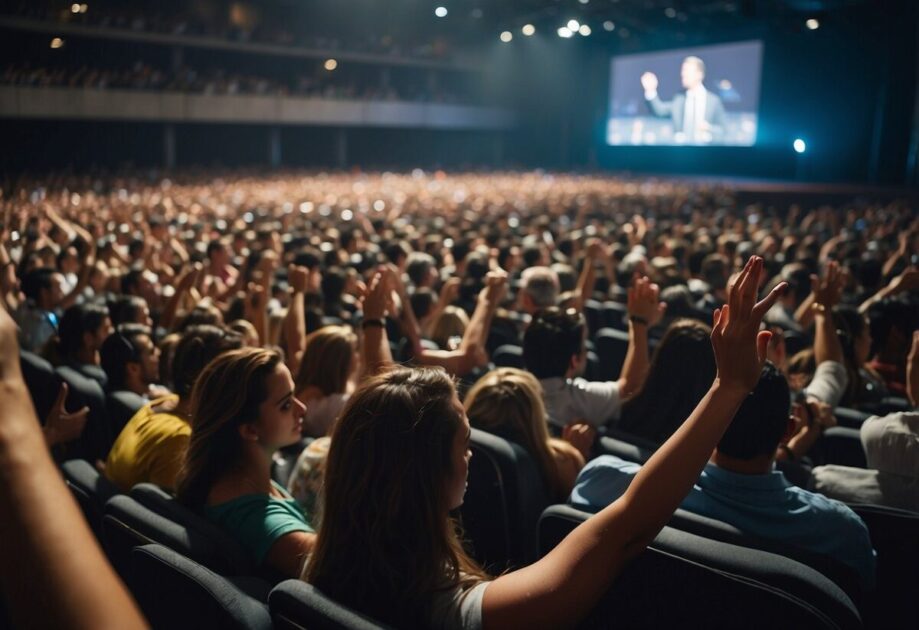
(361, 325)
(146, 76)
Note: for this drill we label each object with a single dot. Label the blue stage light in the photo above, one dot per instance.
(799, 145)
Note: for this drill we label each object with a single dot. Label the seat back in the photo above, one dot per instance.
(612, 346)
(508, 356)
(175, 592)
(91, 490)
(296, 605)
(753, 587)
(41, 380)
(895, 538)
(614, 315)
(625, 446)
(505, 496)
(191, 534)
(121, 407)
(840, 445)
(96, 439)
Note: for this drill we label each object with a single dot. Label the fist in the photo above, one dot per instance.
(649, 82)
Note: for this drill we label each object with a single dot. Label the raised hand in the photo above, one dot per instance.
(377, 297)
(495, 287)
(644, 303)
(298, 278)
(581, 436)
(827, 289)
(450, 291)
(649, 82)
(61, 426)
(740, 347)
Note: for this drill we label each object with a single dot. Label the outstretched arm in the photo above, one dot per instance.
(562, 587)
(644, 311)
(45, 543)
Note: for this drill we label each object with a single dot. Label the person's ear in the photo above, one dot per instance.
(132, 368)
(248, 432)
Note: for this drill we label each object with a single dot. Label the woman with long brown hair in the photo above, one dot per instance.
(326, 376)
(398, 465)
(243, 410)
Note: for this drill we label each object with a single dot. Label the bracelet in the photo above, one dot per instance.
(373, 323)
(635, 319)
(790, 454)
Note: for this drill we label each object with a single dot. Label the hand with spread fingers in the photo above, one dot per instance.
(739, 344)
(827, 289)
(60, 425)
(644, 303)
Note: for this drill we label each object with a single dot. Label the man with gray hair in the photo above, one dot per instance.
(539, 289)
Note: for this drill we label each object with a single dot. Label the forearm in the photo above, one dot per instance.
(377, 355)
(800, 444)
(295, 331)
(804, 314)
(635, 365)
(586, 282)
(827, 346)
(44, 540)
(477, 330)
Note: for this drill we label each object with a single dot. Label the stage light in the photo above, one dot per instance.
(573, 25)
(670, 12)
(507, 36)
(440, 11)
(565, 32)
(812, 24)
(84, 8)
(584, 30)
(75, 8)
(608, 26)
(57, 42)
(799, 145)
(528, 29)
(584, 1)
(330, 64)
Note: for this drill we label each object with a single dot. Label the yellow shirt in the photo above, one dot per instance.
(150, 448)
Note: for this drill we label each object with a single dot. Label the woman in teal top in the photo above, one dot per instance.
(243, 410)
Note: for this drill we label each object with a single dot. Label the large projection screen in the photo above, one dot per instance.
(703, 96)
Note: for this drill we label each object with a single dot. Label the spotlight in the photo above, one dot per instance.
(528, 29)
(608, 26)
(670, 12)
(330, 64)
(584, 1)
(75, 8)
(799, 145)
(573, 25)
(565, 32)
(57, 42)
(584, 30)
(812, 24)
(440, 11)
(507, 36)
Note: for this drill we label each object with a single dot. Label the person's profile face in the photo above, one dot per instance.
(691, 75)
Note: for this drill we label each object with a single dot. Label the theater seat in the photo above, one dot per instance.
(42, 382)
(612, 346)
(296, 605)
(895, 538)
(121, 407)
(685, 579)
(91, 490)
(190, 534)
(508, 356)
(175, 592)
(96, 439)
(625, 446)
(505, 496)
(839, 445)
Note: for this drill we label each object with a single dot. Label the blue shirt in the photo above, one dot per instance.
(764, 506)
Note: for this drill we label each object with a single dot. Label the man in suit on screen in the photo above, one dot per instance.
(697, 113)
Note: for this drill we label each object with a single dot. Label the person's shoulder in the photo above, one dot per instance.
(609, 463)
(827, 507)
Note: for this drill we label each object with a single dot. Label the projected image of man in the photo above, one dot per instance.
(697, 113)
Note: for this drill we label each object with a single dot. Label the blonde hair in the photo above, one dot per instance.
(509, 402)
(451, 322)
(326, 363)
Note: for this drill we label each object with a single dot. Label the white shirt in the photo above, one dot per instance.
(595, 402)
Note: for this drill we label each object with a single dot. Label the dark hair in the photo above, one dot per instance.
(126, 308)
(119, 349)
(227, 394)
(198, 347)
(36, 280)
(889, 314)
(551, 339)
(422, 301)
(78, 320)
(681, 371)
(418, 267)
(760, 423)
(131, 280)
